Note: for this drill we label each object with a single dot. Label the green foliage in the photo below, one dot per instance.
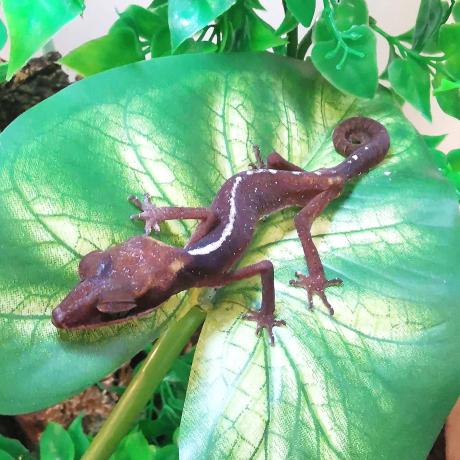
(56, 443)
(120, 46)
(411, 81)
(12, 447)
(429, 19)
(344, 48)
(186, 18)
(3, 35)
(302, 10)
(79, 438)
(155, 436)
(392, 340)
(31, 24)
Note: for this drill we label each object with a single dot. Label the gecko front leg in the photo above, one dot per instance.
(315, 282)
(154, 215)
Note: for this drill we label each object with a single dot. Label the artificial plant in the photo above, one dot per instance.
(374, 381)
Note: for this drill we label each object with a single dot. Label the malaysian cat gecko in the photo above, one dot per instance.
(134, 277)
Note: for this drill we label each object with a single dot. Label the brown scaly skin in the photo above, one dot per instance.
(134, 277)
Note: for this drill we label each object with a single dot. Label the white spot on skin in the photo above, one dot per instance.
(355, 157)
(387, 173)
(298, 173)
(249, 173)
(227, 229)
(318, 173)
(272, 171)
(366, 148)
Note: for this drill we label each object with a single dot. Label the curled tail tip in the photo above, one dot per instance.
(356, 132)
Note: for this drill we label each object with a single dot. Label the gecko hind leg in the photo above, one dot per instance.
(315, 282)
(315, 285)
(259, 163)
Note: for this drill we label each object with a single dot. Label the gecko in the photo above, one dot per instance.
(132, 278)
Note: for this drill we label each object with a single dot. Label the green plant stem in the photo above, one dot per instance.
(292, 36)
(304, 44)
(141, 388)
(429, 61)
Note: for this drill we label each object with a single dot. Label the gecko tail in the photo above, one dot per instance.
(363, 141)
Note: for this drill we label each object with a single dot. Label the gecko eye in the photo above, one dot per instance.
(96, 263)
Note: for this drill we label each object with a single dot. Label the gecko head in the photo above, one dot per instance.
(120, 283)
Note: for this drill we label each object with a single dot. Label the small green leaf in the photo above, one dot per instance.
(449, 101)
(190, 46)
(170, 452)
(261, 36)
(79, 438)
(445, 86)
(429, 19)
(289, 23)
(449, 38)
(433, 141)
(56, 443)
(344, 67)
(456, 12)
(5, 455)
(161, 43)
(303, 10)
(453, 158)
(12, 446)
(134, 446)
(121, 46)
(3, 35)
(31, 24)
(144, 21)
(187, 18)
(346, 14)
(411, 80)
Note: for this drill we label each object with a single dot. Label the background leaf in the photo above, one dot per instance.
(429, 19)
(187, 18)
(379, 376)
(343, 71)
(3, 35)
(303, 10)
(31, 23)
(79, 438)
(119, 47)
(347, 13)
(411, 80)
(12, 447)
(56, 444)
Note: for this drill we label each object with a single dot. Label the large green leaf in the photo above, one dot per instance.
(31, 23)
(374, 381)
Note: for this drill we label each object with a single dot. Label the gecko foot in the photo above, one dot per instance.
(264, 321)
(260, 163)
(150, 213)
(315, 285)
